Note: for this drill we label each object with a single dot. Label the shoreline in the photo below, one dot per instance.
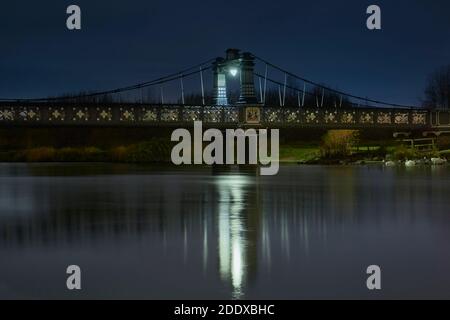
(339, 151)
(333, 163)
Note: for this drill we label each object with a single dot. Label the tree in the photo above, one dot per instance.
(338, 143)
(437, 92)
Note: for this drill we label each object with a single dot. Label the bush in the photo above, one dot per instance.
(150, 151)
(80, 154)
(443, 142)
(40, 154)
(338, 143)
(445, 154)
(403, 153)
(119, 154)
(155, 150)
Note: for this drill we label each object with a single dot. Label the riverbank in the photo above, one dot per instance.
(152, 151)
(158, 151)
(153, 146)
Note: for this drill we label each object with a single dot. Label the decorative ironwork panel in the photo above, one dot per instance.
(419, 118)
(7, 114)
(149, 114)
(384, 117)
(366, 117)
(231, 114)
(348, 117)
(104, 114)
(212, 114)
(292, 116)
(273, 115)
(56, 114)
(311, 116)
(330, 117)
(169, 114)
(191, 114)
(127, 114)
(401, 118)
(80, 114)
(29, 114)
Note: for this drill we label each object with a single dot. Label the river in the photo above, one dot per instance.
(151, 232)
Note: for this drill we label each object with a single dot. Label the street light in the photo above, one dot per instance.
(233, 71)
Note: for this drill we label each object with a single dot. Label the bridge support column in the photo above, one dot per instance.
(219, 83)
(247, 65)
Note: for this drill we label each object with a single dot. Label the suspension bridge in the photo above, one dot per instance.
(264, 100)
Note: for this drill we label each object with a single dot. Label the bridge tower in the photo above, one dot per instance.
(234, 63)
(247, 65)
(220, 83)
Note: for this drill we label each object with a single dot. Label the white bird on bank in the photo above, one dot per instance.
(389, 163)
(410, 163)
(438, 161)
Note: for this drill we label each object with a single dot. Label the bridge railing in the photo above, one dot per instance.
(184, 115)
(440, 119)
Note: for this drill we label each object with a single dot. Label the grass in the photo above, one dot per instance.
(299, 153)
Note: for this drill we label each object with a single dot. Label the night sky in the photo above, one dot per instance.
(125, 42)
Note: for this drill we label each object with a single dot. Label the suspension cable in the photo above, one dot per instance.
(334, 90)
(182, 89)
(311, 94)
(158, 81)
(202, 85)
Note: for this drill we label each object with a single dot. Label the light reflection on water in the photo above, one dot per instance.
(149, 232)
(232, 244)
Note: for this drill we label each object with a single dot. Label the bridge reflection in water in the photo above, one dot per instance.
(198, 235)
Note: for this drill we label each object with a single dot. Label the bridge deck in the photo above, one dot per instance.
(127, 114)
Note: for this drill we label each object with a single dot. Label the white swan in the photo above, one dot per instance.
(389, 163)
(438, 161)
(410, 163)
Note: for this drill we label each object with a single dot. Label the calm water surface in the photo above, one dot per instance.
(167, 233)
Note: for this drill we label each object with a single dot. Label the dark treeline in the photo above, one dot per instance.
(437, 92)
(145, 96)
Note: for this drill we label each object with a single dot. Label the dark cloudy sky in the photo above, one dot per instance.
(125, 42)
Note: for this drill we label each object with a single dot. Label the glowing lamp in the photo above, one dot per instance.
(233, 71)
